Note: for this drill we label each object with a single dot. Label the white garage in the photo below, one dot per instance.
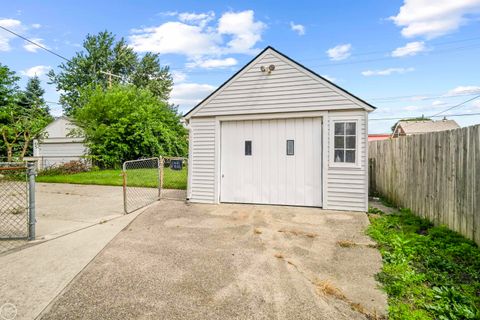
(60, 144)
(278, 133)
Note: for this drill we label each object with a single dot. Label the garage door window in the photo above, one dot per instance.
(248, 148)
(345, 142)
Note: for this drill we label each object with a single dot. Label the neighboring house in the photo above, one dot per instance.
(58, 146)
(379, 136)
(278, 133)
(406, 128)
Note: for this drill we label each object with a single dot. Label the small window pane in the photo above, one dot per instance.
(290, 147)
(339, 142)
(339, 128)
(248, 148)
(350, 144)
(351, 128)
(339, 156)
(350, 156)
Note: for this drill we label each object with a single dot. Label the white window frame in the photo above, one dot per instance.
(332, 162)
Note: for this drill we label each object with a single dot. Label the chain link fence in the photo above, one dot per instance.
(174, 178)
(141, 183)
(17, 204)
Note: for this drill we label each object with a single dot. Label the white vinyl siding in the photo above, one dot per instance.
(347, 185)
(287, 89)
(202, 160)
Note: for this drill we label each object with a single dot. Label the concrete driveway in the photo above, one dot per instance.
(181, 261)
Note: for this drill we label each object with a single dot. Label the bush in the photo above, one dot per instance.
(71, 167)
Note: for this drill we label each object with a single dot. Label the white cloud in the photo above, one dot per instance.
(243, 29)
(340, 52)
(195, 36)
(434, 18)
(187, 95)
(476, 104)
(438, 103)
(5, 37)
(36, 26)
(213, 63)
(36, 71)
(386, 72)
(410, 49)
(33, 48)
(463, 90)
(200, 19)
(411, 108)
(178, 76)
(298, 28)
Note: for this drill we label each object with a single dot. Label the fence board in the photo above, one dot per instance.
(437, 175)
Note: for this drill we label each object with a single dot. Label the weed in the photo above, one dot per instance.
(257, 231)
(429, 272)
(278, 255)
(327, 288)
(299, 233)
(373, 210)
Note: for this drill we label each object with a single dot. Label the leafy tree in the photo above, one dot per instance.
(125, 122)
(8, 86)
(103, 54)
(23, 114)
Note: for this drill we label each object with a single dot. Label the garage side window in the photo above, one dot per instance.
(345, 142)
(248, 148)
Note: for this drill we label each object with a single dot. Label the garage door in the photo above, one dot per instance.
(272, 162)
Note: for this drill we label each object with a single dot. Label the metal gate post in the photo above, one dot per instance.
(124, 176)
(31, 172)
(160, 176)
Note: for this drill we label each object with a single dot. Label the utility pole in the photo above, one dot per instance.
(110, 75)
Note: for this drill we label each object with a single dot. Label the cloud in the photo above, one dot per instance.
(386, 72)
(36, 71)
(200, 19)
(463, 90)
(410, 49)
(36, 26)
(329, 78)
(438, 103)
(476, 104)
(178, 76)
(411, 108)
(213, 63)
(434, 18)
(340, 52)
(33, 48)
(195, 36)
(5, 37)
(245, 32)
(187, 95)
(298, 28)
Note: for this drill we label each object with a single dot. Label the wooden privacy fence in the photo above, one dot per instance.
(437, 175)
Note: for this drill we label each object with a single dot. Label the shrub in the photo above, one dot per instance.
(70, 167)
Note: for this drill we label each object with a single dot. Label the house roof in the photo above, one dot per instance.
(424, 126)
(289, 59)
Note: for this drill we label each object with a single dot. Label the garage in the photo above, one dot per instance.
(272, 161)
(278, 133)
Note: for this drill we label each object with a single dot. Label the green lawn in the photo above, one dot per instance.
(172, 179)
(428, 272)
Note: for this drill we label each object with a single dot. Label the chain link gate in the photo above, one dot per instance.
(141, 183)
(17, 203)
(174, 178)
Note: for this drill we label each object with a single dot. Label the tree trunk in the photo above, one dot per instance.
(25, 145)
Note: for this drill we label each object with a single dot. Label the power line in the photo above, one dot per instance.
(457, 105)
(34, 43)
(409, 118)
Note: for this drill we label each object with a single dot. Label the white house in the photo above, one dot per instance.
(58, 146)
(278, 133)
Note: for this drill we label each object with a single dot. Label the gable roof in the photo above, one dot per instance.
(424, 126)
(366, 105)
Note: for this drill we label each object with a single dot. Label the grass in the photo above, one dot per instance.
(428, 272)
(172, 179)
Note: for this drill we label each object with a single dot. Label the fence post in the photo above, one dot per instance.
(31, 172)
(160, 176)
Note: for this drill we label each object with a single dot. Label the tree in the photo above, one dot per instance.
(125, 122)
(103, 54)
(32, 97)
(8, 86)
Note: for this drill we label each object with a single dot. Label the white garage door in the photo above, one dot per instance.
(272, 162)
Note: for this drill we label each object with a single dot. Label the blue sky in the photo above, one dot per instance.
(408, 58)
